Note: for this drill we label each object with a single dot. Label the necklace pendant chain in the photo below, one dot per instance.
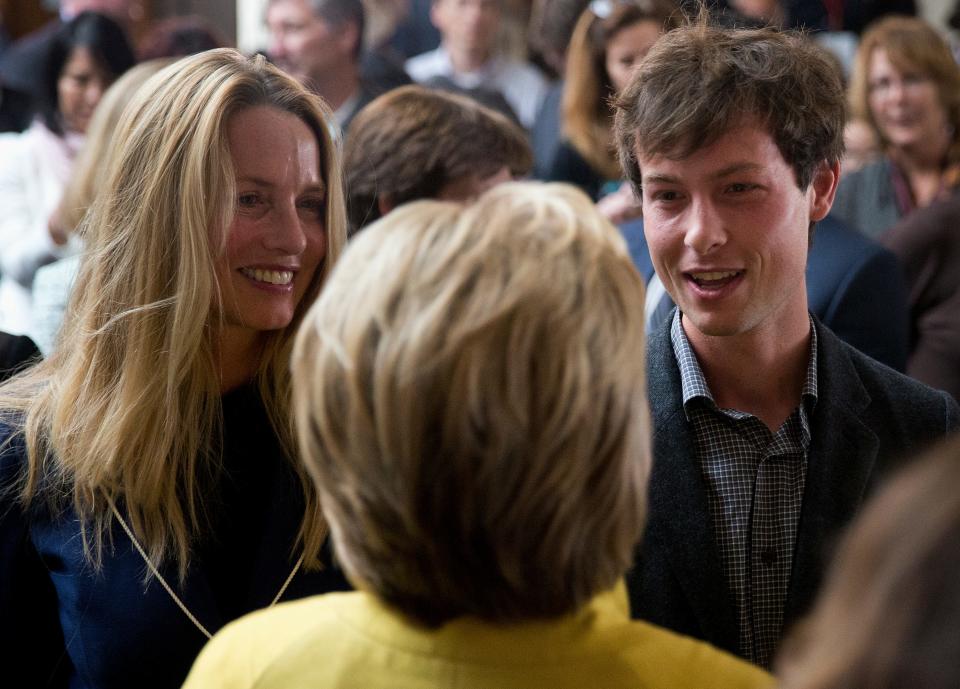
(169, 589)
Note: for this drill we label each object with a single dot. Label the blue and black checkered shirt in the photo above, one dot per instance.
(754, 482)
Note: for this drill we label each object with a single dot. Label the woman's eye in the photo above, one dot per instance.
(248, 200)
(314, 206)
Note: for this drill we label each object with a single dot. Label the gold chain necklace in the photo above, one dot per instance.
(169, 589)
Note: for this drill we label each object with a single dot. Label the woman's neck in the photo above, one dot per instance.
(924, 156)
(923, 167)
(239, 354)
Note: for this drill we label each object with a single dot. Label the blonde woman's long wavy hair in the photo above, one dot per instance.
(128, 406)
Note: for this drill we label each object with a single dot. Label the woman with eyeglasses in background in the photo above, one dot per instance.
(906, 87)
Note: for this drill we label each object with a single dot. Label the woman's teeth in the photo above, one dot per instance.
(273, 277)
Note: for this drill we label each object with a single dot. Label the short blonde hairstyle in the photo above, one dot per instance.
(469, 397)
(128, 406)
(889, 611)
(912, 44)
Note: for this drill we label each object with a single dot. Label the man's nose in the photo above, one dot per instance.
(705, 231)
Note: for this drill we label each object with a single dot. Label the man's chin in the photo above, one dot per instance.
(711, 325)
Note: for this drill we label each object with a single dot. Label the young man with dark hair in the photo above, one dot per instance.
(768, 429)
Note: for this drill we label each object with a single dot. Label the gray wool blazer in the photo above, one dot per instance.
(868, 420)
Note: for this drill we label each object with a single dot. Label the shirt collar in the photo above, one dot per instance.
(346, 109)
(694, 383)
(469, 80)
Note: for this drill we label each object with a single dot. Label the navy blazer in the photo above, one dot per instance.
(867, 420)
(16, 351)
(855, 287)
(65, 624)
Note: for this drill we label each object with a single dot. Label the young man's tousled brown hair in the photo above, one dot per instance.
(700, 81)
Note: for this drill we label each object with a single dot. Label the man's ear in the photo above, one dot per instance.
(823, 189)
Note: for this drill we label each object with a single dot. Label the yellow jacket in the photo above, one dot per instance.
(353, 640)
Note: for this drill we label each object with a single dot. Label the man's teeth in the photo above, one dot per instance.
(712, 277)
(274, 277)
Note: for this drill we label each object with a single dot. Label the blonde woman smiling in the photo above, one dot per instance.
(150, 490)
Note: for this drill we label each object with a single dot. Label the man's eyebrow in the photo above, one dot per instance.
(734, 168)
(659, 179)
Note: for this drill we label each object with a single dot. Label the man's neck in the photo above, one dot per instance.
(337, 86)
(465, 61)
(761, 372)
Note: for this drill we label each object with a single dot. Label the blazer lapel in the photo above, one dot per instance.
(841, 459)
(679, 514)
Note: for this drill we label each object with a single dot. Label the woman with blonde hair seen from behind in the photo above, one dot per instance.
(906, 86)
(51, 284)
(608, 42)
(470, 400)
(150, 491)
(889, 613)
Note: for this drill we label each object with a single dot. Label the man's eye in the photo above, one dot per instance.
(740, 187)
(665, 196)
